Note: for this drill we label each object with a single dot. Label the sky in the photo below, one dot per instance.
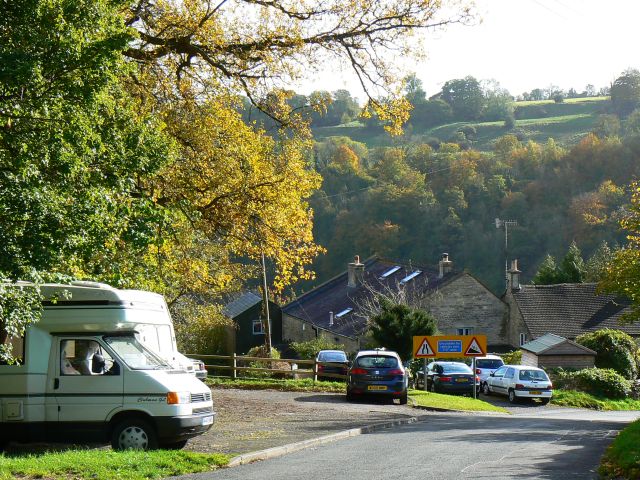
(527, 44)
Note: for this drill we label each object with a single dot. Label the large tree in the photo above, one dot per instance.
(622, 274)
(465, 97)
(625, 92)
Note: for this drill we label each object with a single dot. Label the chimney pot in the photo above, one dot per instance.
(445, 265)
(514, 275)
(355, 272)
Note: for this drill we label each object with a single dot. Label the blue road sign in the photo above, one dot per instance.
(450, 346)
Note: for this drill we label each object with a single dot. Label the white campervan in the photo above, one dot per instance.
(86, 376)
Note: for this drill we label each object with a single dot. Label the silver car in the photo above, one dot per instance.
(519, 382)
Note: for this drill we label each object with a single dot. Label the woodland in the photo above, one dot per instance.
(156, 145)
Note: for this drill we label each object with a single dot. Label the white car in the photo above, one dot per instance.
(519, 382)
(485, 366)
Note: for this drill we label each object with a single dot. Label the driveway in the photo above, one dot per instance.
(250, 420)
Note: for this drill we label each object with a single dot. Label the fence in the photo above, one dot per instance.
(233, 365)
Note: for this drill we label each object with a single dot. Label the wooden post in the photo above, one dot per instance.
(315, 371)
(234, 364)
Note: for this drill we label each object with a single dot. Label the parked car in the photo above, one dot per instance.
(485, 366)
(330, 363)
(377, 372)
(519, 382)
(451, 377)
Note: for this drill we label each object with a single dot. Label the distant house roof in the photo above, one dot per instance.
(570, 309)
(344, 301)
(241, 304)
(554, 344)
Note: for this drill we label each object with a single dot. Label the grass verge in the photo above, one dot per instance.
(107, 465)
(571, 398)
(622, 458)
(452, 402)
(303, 385)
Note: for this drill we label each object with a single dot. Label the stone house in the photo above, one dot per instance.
(566, 310)
(337, 309)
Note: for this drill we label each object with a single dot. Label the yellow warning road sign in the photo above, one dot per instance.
(449, 346)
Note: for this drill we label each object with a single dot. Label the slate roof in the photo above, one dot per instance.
(241, 304)
(570, 309)
(336, 296)
(548, 342)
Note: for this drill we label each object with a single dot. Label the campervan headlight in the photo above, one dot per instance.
(174, 398)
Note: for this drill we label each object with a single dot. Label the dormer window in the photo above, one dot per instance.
(390, 272)
(410, 277)
(344, 312)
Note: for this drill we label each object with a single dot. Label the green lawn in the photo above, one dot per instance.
(452, 402)
(622, 458)
(107, 464)
(570, 398)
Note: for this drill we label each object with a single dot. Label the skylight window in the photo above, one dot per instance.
(344, 312)
(390, 272)
(411, 276)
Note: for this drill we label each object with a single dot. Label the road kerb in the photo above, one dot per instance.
(314, 442)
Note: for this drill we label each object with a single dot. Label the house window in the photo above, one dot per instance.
(523, 339)
(258, 327)
(465, 331)
(410, 277)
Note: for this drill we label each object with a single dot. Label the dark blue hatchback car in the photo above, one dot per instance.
(377, 372)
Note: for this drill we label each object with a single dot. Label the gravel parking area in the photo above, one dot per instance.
(251, 420)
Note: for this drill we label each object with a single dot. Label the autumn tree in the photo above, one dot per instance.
(622, 274)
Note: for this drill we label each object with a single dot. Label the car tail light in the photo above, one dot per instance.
(519, 386)
(320, 368)
(359, 371)
(478, 371)
(445, 379)
(477, 378)
(396, 371)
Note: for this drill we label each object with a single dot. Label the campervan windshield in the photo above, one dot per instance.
(134, 354)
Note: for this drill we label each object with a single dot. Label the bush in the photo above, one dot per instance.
(596, 381)
(615, 349)
(512, 358)
(261, 351)
(309, 349)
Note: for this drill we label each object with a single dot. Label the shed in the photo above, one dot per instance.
(552, 351)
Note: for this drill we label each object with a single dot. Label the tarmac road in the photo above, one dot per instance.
(533, 443)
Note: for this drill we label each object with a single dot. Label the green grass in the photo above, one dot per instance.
(302, 385)
(107, 464)
(570, 398)
(622, 458)
(567, 123)
(452, 402)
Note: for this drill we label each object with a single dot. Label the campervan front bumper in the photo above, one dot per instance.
(174, 429)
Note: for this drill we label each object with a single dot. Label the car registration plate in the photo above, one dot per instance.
(535, 392)
(462, 380)
(376, 387)
(207, 420)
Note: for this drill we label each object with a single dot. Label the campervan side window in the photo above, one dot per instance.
(15, 346)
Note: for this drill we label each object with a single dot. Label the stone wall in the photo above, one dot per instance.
(466, 303)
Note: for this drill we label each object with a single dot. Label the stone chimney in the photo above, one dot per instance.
(445, 265)
(331, 319)
(355, 272)
(514, 276)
